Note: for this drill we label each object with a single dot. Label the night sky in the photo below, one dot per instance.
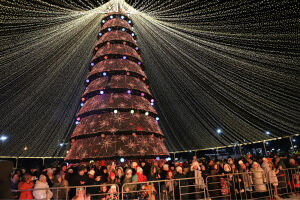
(221, 72)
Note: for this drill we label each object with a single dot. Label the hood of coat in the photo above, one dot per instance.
(40, 184)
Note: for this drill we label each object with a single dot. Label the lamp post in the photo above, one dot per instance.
(291, 141)
(264, 143)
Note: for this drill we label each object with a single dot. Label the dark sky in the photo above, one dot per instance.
(228, 65)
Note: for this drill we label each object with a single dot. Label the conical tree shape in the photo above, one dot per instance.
(117, 118)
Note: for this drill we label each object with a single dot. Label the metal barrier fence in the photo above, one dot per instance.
(76, 192)
(248, 185)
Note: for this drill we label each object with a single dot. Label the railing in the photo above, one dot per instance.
(247, 185)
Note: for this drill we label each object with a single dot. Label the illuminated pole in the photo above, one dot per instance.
(264, 143)
(291, 141)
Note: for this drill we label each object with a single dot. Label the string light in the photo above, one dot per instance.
(195, 62)
(3, 138)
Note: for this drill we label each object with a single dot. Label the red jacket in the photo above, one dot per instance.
(26, 186)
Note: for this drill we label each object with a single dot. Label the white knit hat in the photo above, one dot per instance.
(139, 169)
(92, 172)
(178, 168)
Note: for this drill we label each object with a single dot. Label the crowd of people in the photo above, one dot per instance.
(105, 180)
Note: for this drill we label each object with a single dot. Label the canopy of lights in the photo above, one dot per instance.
(221, 72)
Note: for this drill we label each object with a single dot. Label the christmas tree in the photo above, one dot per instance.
(117, 118)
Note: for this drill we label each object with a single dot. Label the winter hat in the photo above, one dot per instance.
(102, 163)
(165, 166)
(178, 169)
(42, 177)
(139, 169)
(92, 172)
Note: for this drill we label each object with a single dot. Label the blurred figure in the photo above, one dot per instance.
(41, 189)
(26, 184)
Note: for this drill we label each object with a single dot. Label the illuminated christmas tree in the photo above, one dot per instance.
(117, 118)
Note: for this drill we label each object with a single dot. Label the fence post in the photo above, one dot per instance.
(17, 162)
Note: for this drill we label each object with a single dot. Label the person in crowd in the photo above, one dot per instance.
(112, 193)
(170, 184)
(26, 184)
(143, 194)
(180, 183)
(127, 195)
(112, 179)
(154, 175)
(139, 176)
(120, 175)
(49, 176)
(273, 179)
(104, 174)
(259, 180)
(92, 181)
(102, 193)
(78, 179)
(60, 193)
(128, 180)
(164, 172)
(41, 189)
(14, 181)
(63, 169)
(214, 181)
(145, 167)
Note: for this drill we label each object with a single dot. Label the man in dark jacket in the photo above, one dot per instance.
(77, 180)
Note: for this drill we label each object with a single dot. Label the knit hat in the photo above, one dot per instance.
(92, 172)
(178, 168)
(139, 169)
